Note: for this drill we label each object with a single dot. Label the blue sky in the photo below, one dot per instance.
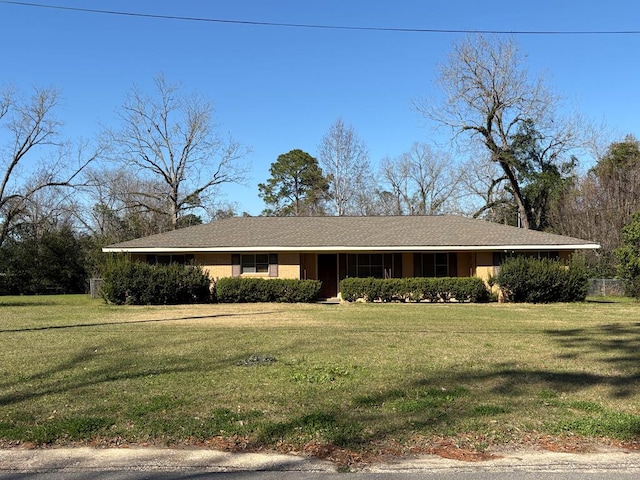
(277, 88)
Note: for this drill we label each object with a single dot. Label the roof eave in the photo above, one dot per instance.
(338, 248)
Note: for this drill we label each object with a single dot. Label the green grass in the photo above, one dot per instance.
(358, 377)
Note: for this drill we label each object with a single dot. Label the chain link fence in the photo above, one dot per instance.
(95, 287)
(606, 287)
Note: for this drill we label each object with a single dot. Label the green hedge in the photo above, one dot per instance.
(464, 289)
(534, 280)
(136, 283)
(252, 290)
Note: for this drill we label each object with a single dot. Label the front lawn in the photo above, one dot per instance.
(352, 380)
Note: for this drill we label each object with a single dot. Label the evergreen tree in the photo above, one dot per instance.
(296, 187)
(629, 256)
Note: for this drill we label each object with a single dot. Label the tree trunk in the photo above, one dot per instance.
(517, 195)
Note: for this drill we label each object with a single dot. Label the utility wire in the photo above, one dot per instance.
(324, 27)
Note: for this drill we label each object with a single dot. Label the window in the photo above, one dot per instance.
(250, 263)
(376, 265)
(255, 263)
(439, 264)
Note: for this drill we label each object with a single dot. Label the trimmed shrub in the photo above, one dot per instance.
(469, 289)
(135, 283)
(418, 289)
(576, 285)
(252, 290)
(533, 280)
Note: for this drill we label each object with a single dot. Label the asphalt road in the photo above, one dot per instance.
(201, 464)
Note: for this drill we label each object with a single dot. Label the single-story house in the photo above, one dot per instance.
(333, 248)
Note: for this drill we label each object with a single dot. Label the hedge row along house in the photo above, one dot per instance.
(333, 248)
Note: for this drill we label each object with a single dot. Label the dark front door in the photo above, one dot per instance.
(328, 274)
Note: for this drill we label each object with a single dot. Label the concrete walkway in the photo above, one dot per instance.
(17, 460)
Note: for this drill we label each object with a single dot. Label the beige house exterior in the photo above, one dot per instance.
(333, 248)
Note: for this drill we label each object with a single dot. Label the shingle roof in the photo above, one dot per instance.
(349, 233)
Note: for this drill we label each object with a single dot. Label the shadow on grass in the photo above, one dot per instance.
(79, 371)
(614, 345)
(429, 406)
(611, 299)
(26, 304)
(441, 402)
(367, 423)
(156, 417)
(130, 322)
(424, 408)
(620, 341)
(71, 375)
(422, 402)
(333, 427)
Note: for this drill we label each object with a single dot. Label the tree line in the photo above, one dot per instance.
(162, 167)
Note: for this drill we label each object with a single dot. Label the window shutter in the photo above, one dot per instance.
(453, 264)
(236, 269)
(342, 266)
(417, 265)
(273, 264)
(397, 265)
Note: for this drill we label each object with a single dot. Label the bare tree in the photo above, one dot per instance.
(434, 179)
(598, 205)
(169, 139)
(482, 192)
(489, 97)
(345, 161)
(31, 129)
(394, 185)
(49, 209)
(369, 199)
(116, 211)
(420, 181)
